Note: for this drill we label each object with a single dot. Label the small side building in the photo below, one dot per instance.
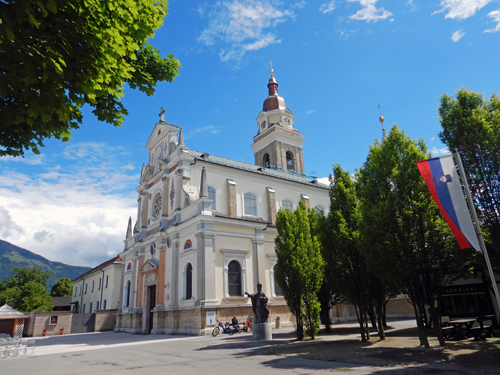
(11, 321)
(98, 288)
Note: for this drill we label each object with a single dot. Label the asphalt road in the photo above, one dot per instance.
(121, 353)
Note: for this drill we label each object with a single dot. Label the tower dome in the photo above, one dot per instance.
(273, 101)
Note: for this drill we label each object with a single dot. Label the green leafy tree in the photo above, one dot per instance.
(62, 288)
(26, 290)
(407, 241)
(346, 269)
(299, 268)
(471, 125)
(60, 55)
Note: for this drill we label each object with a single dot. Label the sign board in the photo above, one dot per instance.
(211, 318)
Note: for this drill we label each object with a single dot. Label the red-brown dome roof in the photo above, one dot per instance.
(274, 101)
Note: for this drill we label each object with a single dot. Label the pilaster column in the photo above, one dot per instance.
(231, 198)
(140, 278)
(205, 264)
(259, 260)
(174, 289)
(166, 196)
(160, 289)
(145, 209)
(304, 198)
(271, 205)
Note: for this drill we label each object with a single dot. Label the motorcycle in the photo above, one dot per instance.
(225, 328)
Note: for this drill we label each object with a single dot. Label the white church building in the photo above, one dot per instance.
(205, 227)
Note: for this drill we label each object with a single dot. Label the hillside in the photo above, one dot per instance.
(13, 256)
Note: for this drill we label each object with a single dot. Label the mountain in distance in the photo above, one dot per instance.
(14, 256)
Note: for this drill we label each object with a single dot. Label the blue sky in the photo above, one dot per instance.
(334, 61)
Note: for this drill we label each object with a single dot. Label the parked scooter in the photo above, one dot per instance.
(225, 328)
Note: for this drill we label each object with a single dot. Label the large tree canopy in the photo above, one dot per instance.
(26, 290)
(406, 239)
(59, 55)
(471, 125)
(299, 269)
(62, 288)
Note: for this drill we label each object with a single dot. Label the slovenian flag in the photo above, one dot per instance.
(441, 178)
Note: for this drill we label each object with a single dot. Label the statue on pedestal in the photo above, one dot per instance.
(259, 304)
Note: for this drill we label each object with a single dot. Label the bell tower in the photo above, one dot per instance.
(277, 144)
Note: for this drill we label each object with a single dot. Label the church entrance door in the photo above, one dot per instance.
(151, 305)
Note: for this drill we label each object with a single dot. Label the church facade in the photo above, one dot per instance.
(205, 227)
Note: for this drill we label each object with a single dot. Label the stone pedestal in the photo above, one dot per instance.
(262, 331)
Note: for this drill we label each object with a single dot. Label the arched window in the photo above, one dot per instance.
(104, 305)
(277, 289)
(189, 281)
(97, 305)
(286, 204)
(234, 278)
(127, 294)
(320, 210)
(211, 195)
(90, 308)
(107, 279)
(289, 161)
(250, 204)
(188, 245)
(266, 162)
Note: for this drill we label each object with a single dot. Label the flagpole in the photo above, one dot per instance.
(479, 233)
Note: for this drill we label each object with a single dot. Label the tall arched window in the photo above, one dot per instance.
(266, 162)
(286, 204)
(289, 161)
(234, 278)
(211, 195)
(277, 289)
(189, 281)
(320, 210)
(250, 204)
(127, 294)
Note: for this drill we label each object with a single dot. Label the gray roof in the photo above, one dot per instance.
(276, 172)
(8, 312)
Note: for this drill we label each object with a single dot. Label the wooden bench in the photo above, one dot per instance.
(447, 330)
(482, 331)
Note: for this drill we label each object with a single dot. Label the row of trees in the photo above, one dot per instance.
(27, 289)
(384, 235)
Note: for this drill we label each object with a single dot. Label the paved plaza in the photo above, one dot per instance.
(122, 353)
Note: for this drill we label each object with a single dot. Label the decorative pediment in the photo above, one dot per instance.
(150, 264)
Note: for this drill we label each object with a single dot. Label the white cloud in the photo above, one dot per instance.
(30, 159)
(72, 219)
(324, 180)
(262, 42)
(461, 9)
(8, 228)
(327, 7)
(203, 131)
(439, 151)
(76, 213)
(432, 139)
(311, 111)
(457, 35)
(370, 12)
(242, 25)
(496, 17)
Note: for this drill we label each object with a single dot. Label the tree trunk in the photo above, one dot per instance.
(380, 328)
(359, 315)
(422, 334)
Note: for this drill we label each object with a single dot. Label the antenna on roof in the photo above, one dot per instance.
(381, 119)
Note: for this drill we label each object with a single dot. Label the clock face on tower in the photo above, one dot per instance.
(287, 121)
(263, 124)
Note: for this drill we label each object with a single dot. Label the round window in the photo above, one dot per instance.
(157, 202)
